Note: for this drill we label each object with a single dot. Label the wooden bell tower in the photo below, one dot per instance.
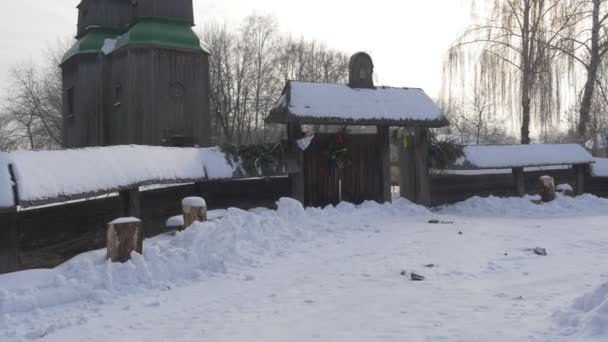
(137, 74)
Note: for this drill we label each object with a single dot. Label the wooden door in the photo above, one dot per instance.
(361, 177)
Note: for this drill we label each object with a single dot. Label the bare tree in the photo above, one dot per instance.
(249, 67)
(515, 62)
(586, 43)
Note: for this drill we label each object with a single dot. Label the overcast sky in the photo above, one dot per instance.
(406, 38)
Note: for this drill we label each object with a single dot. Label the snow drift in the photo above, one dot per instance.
(587, 319)
(240, 238)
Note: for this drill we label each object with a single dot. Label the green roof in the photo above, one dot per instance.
(167, 33)
(91, 42)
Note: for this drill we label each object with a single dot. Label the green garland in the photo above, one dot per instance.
(444, 153)
(258, 159)
(338, 151)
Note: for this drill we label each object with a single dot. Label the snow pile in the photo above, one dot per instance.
(339, 101)
(45, 175)
(510, 156)
(6, 185)
(238, 239)
(523, 207)
(600, 168)
(587, 319)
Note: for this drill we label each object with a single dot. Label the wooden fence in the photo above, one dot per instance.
(453, 188)
(48, 236)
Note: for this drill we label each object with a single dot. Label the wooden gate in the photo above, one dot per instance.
(361, 178)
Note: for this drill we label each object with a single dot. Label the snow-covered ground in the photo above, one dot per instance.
(336, 275)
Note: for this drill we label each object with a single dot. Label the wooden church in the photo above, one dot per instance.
(137, 74)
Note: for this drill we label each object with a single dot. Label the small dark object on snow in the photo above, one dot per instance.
(403, 273)
(519, 298)
(416, 277)
(430, 265)
(506, 254)
(460, 233)
(440, 222)
(540, 251)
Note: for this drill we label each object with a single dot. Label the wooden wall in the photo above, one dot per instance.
(52, 235)
(164, 94)
(82, 74)
(173, 9)
(116, 14)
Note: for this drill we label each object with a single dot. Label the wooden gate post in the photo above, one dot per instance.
(124, 237)
(580, 171)
(423, 172)
(384, 146)
(9, 241)
(194, 209)
(407, 168)
(415, 175)
(131, 202)
(520, 181)
(294, 133)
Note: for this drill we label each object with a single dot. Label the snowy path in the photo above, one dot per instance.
(348, 287)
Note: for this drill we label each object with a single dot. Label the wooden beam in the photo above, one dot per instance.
(520, 181)
(384, 148)
(131, 202)
(294, 133)
(580, 172)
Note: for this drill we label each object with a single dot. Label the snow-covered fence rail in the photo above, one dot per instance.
(513, 170)
(45, 177)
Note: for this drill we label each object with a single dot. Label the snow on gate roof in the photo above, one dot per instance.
(512, 156)
(339, 104)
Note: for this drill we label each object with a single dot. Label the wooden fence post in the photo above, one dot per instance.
(423, 173)
(131, 202)
(9, 241)
(124, 237)
(294, 133)
(580, 171)
(384, 146)
(520, 181)
(194, 209)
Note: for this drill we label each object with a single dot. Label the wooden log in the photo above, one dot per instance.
(547, 189)
(9, 241)
(294, 133)
(131, 202)
(194, 209)
(124, 237)
(520, 181)
(384, 148)
(579, 187)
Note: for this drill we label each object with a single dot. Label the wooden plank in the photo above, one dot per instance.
(520, 181)
(384, 151)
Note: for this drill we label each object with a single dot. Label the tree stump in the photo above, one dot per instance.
(194, 209)
(124, 237)
(565, 189)
(547, 189)
(176, 222)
